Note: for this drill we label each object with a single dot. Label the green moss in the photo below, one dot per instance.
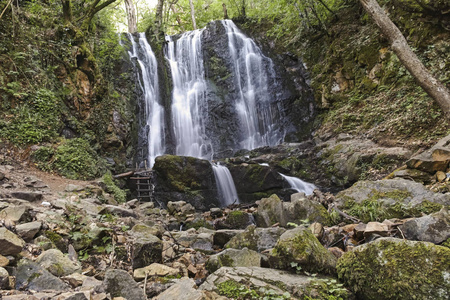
(237, 219)
(119, 194)
(56, 239)
(388, 268)
(199, 223)
(246, 239)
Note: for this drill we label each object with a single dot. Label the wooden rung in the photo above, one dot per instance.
(140, 178)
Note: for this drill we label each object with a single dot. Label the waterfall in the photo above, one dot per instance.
(153, 130)
(225, 185)
(189, 107)
(299, 185)
(253, 73)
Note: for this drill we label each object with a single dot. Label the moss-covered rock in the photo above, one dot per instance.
(270, 211)
(183, 178)
(301, 210)
(233, 258)
(384, 199)
(397, 269)
(258, 239)
(235, 220)
(300, 248)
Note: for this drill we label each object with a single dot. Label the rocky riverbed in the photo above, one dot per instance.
(378, 239)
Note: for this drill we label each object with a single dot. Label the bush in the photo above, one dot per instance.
(76, 159)
(119, 194)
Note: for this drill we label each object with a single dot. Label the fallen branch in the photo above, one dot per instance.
(343, 214)
(5, 8)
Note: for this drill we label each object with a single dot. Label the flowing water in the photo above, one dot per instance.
(253, 73)
(153, 130)
(189, 107)
(225, 184)
(299, 185)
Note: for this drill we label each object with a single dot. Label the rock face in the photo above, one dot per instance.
(387, 268)
(10, 244)
(182, 178)
(291, 103)
(263, 279)
(301, 247)
(397, 197)
(120, 284)
(434, 228)
(435, 159)
(233, 258)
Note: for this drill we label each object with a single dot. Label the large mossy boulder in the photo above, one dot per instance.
(254, 238)
(394, 198)
(183, 178)
(299, 210)
(264, 283)
(299, 248)
(236, 219)
(233, 258)
(255, 181)
(391, 268)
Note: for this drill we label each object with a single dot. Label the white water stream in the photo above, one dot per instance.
(227, 190)
(299, 185)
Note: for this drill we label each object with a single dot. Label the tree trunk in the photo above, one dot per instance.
(131, 16)
(225, 11)
(67, 11)
(193, 14)
(177, 17)
(158, 19)
(434, 88)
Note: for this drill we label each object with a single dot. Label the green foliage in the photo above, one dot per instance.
(35, 120)
(119, 194)
(76, 159)
(240, 291)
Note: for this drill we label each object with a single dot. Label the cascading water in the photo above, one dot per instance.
(189, 107)
(225, 184)
(299, 185)
(252, 74)
(148, 82)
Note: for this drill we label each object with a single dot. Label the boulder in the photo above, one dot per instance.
(32, 276)
(10, 243)
(4, 279)
(57, 263)
(223, 236)
(254, 181)
(183, 289)
(393, 198)
(301, 209)
(435, 159)
(180, 207)
(27, 231)
(183, 178)
(413, 174)
(255, 238)
(270, 211)
(118, 210)
(389, 267)
(233, 258)
(236, 219)
(300, 247)
(434, 228)
(146, 250)
(264, 282)
(4, 261)
(192, 239)
(155, 269)
(140, 230)
(16, 213)
(119, 283)
(28, 196)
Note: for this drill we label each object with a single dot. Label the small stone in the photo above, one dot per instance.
(120, 284)
(4, 279)
(192, 270)
(376, 228)
(359, 231)
(3, 261)
(57, 263)
(10, 243)
(71, 188)
(216, 212)
(75, 279)
(28, 196)
(440, 176)
(155, 269)
(336, 251)
(317, 230)
(27, 231)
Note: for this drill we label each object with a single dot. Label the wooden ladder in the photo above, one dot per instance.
(143, 187)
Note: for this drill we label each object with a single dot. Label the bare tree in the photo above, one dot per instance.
(409, 59)
(158, 19)
(131, 16)
(193, 14)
